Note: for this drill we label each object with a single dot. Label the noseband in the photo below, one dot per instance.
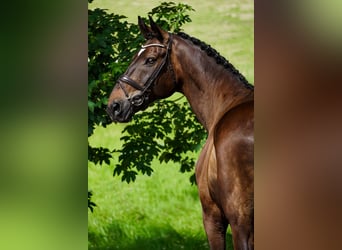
(141, 98)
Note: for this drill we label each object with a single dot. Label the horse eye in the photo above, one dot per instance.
(150, 60)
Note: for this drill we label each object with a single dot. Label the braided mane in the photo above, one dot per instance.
(219, 59)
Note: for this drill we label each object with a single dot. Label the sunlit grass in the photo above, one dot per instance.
(157, 212)
(156, 209)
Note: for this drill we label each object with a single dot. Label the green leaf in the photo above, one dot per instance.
(91, 106)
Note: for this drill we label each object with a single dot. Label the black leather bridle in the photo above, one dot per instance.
(142, 98)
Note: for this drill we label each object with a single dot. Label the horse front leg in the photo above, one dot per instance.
(215, 225)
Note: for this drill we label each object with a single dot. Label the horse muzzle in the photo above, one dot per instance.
(120, 111)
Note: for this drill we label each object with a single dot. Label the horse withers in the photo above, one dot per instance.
(223, 102)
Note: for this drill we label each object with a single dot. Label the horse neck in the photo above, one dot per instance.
(210, 89)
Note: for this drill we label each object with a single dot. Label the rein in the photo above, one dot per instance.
(145, 88)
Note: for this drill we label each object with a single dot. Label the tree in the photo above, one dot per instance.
(167, 130)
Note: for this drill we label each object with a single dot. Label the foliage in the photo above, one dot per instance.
(111, 44)
(168, 130)
(91, 204)
(170, 16)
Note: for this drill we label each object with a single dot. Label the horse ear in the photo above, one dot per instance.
(144, 29)
(157, 31)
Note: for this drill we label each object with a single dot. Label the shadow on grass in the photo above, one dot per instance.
(150, 238)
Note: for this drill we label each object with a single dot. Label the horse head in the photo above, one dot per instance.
(149, 77)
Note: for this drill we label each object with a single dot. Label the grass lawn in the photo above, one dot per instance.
(163, 211)
(157, 212)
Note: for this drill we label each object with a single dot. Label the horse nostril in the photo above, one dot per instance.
(116, 107)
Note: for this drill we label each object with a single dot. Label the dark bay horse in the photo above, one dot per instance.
(223, 102)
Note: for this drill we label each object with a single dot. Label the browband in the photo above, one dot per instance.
(150, 45)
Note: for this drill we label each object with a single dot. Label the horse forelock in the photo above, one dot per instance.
(211, 52)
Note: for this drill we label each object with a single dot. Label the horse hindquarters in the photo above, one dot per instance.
(216, 212)
(214, 220)
(237, 204)
(234, 143)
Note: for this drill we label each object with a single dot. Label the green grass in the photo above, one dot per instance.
(157, 212)
(163, 211)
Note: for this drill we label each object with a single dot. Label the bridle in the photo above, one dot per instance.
(142, 98)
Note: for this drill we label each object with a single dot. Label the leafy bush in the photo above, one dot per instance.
(168, 130)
